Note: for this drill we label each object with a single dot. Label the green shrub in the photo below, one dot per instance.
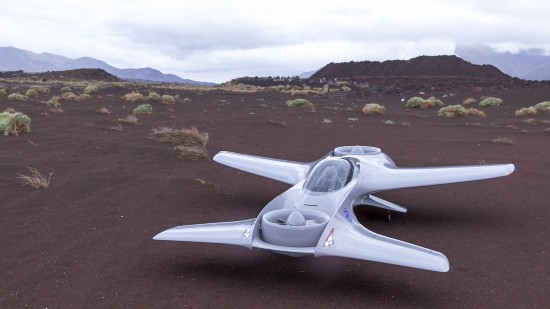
(69, 96)
(84, 96)
(134, 97)
(153, 96)
(66, 89)
(31, 92)
(53, 102)
(143, 109)
(346, 89)
(168, 99)
(41, 89)
(414, 102)
(14, 123)
(374, 109)
(299, 102)
(526, 111)
(90, 89)
(543, 106)
(431, 102)
(490, 101)
(453, 111)
(17, 97)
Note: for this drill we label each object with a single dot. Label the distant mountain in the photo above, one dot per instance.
(307, 74)
(529, 64)
(14, 59)
(448, 66)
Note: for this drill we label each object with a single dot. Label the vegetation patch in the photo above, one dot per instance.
(103, 110)
(143, 109)
(14, 123)
(69, 96)
(490, 101)
(526, 111)
(130, 119)
(35, 179)
(154, 97)
(90, 89)
(326, 120)
(298, 102)
(187, 137)
(192, 152)
(476, 112)
(66, 89)
(277, 123)
(414, 102)
(543, 106)
(452, 111)
(168, 99)
(53, 102)
(469, 101)
(186, 100)
(374, 109)
(134, 97)
(17, 97)
(503, 140)
(31, 92)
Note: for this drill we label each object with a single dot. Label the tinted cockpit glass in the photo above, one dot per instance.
(329, 176)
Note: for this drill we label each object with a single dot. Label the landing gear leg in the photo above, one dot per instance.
(388, 216)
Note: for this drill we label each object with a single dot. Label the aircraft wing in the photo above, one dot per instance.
(389, 178)
(281, 170)
(346, 237)
(231, 233)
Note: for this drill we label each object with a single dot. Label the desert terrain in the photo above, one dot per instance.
(86, 240)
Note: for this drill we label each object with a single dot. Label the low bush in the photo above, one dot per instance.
(476, 112)
(31, 92)
(103, 110)
(143, 109)
(299, 102)
(186, 100)
(90, 89)
(414, 102)
(41, 89)
(503, 140)
(17, 97)
(490, 101)
(374, 109)
(168, 99)
(134, 97)
(84, 96)
(543, 106)
(2, 90)
(452, 111)
(14, 123)
(65, 89)
(53, 102)
(526, 111)
(469, 101)
(69, 96)
(154, 97)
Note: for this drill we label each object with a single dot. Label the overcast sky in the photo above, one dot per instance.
(210, 40)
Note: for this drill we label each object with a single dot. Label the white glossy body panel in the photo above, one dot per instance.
(366, 170)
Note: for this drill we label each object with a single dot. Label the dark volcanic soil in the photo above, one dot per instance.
(86, 240)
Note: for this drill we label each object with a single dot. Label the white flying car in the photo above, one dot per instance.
(315, 216)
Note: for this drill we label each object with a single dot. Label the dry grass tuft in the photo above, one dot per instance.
(36, 179)
(9, 110)
(469, 101)
(90, 89)
(65, 89)
(143, 109)
(130, 119)
(374, 109)
(53, 102)
(512, 126)
(56, 110)
(208, 183)
(192, 152)
(277, 122)
(503, 140)
(530, 121)
(103, 110)
(153, 96)
(117, 127)
(326, 120)
(186, 137)
(186, 100)
(17, 97)
(476, 112)
(31, 92)
(299, 103)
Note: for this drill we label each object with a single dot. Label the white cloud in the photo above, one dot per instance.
(219, 40)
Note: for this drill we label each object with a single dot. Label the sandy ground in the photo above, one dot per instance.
(86, 240)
